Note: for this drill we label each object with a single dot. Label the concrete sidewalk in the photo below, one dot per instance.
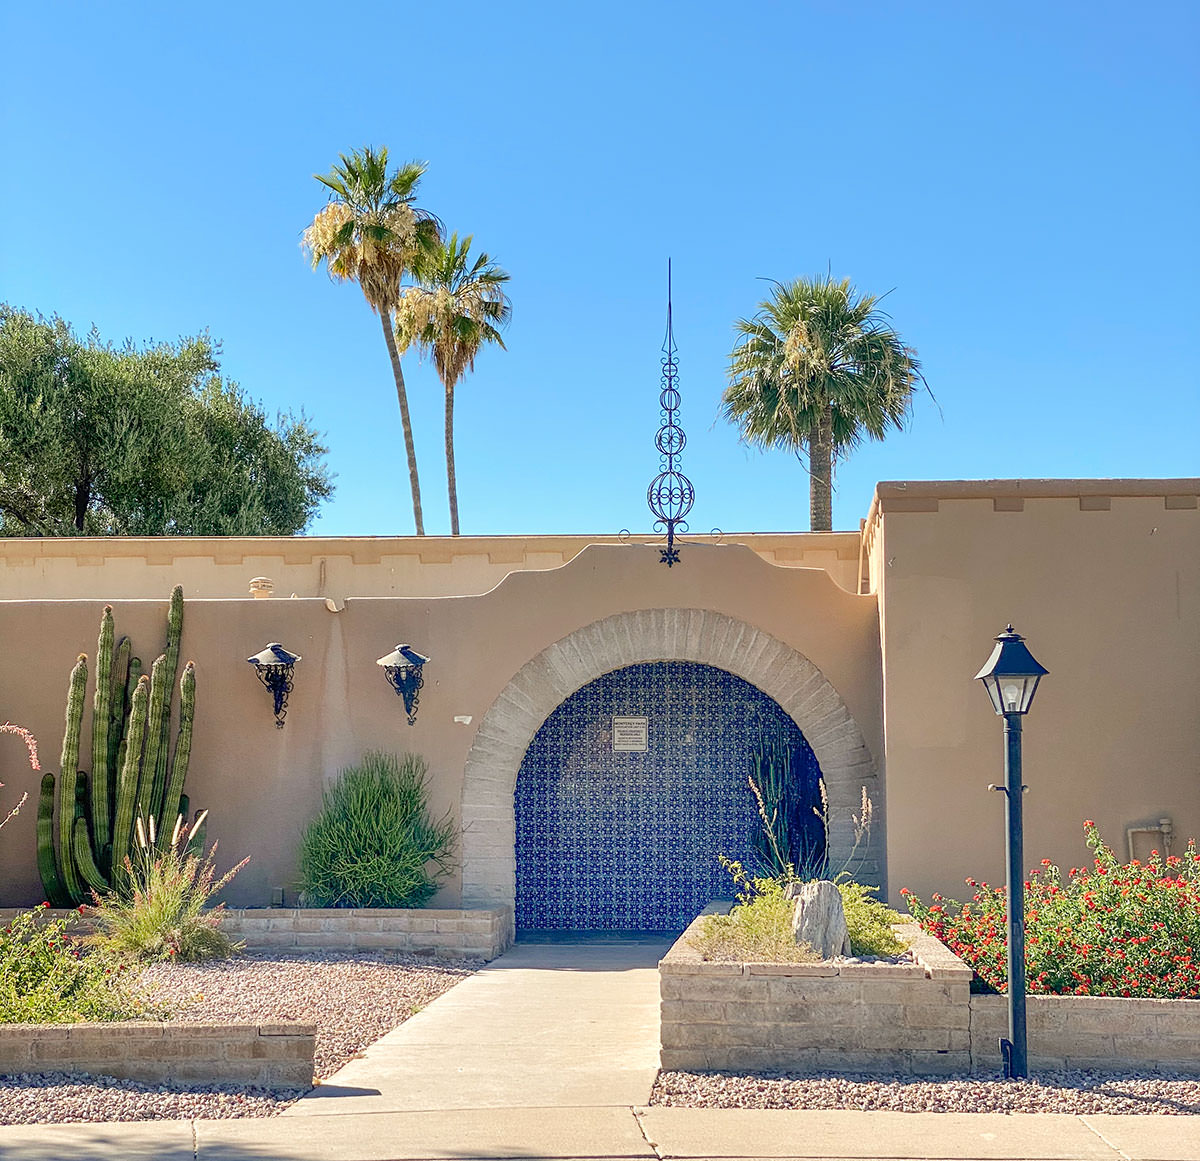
(602, 1133)
(551, 1052)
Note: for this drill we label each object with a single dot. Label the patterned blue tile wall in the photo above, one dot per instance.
(629, 841)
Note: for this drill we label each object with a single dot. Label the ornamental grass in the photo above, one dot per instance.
(1111, 929)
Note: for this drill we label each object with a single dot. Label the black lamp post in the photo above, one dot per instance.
(1011, 678)
(403, 668)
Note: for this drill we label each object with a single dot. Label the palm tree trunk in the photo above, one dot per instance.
(385, 316)
(451, 478)
(820, 470)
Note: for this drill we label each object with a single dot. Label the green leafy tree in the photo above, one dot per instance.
(99, 440)
(816, 370)
(454, 311)
(372, 233)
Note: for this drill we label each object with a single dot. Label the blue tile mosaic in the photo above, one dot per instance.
(629, 841)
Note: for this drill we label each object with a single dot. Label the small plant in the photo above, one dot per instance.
(46, 979)
(31, 745)
(1112, 929)
(757, 929)
(759, 926)
(869, 921)
(794, 829)
(373, 842)
(163, 914)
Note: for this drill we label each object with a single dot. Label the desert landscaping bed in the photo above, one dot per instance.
(352, 998)
(1076, 1092)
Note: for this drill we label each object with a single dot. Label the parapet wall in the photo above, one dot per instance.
(212, 567)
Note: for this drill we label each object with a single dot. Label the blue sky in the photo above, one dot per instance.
(1023, 175)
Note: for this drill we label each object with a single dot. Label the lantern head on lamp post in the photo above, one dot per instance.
(1011, 674)
(1011, 678)
(274, 669)
(403, 668)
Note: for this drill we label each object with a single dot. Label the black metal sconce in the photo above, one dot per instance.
(403, 669)
(1011, 678)
(274, 668)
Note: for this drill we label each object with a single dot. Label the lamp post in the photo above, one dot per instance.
(1011, 678)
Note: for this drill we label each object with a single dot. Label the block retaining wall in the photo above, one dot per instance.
(908, 1019)
(476, 933)
(270, 1055)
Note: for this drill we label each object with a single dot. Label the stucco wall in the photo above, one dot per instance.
(347, 566)
(1103, 579)
(263, 784)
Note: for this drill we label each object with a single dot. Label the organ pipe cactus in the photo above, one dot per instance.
(85, 825)
(68, 872)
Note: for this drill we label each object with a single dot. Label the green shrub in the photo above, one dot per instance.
(163, 914)
(759, 931)
(1112, 929)
(46, 978)
(869, 921)
(374, 842)
(759, 926)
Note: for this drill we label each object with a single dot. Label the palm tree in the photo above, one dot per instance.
(370, 232)
(818, 368)
(456, 308)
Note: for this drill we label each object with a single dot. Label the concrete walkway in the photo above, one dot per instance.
(545, 1025)
(550, 1052)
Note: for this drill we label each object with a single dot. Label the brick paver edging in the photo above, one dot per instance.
(270, 1055)
(907, 1019)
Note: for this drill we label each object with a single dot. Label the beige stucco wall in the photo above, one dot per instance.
(349, 566)
(1103, 579)
(263, 784)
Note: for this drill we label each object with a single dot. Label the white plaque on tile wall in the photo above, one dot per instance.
(630, 735)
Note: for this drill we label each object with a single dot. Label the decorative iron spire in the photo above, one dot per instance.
(671, 494)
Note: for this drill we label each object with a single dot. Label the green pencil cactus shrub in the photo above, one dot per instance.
(86, 823)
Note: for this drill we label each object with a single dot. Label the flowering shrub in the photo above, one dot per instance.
(164, 914)
(1112, 929)
(46, 979)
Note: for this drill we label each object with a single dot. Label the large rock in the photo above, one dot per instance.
(819, 919)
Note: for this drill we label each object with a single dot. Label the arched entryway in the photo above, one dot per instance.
(633, 787)
(781, 672)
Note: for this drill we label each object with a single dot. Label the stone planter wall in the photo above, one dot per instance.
(480, 933)
(476, 933)
(274, 1055)
(901, 1019)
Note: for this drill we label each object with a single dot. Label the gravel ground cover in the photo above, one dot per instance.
(1075, 1092)
(354, 998)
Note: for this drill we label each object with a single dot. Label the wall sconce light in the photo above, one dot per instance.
(403, 668)
(274, 668)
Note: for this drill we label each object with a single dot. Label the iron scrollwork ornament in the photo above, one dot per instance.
(670, 494)
(273, 667)
(403, 668)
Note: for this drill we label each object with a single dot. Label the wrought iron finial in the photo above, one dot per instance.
(671, 494)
